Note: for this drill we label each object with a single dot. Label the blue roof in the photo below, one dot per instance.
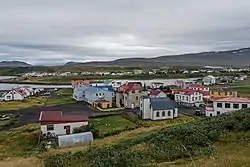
(163, 103)
(93, 89)
(107, 88)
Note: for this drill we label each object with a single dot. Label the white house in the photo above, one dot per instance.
(13, 94)
(157, 93)
(189, 97)
(209, 80)
(201, 88)
(158, 108)
(156, 85)
(54, 122)
(137, 72)
(228, 104)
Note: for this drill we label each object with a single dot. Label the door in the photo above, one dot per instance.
(133, 105)
(67, 128)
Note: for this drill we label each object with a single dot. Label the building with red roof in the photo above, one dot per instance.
(155, 93)
(188, 97)
(14, 95)
(55, 122)
(76, 83)
(227, 104)
(128, 95)
(201, 88)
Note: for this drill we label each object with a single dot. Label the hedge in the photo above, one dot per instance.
(168, 144)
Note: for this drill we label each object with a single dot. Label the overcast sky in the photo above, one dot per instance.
(57, 31)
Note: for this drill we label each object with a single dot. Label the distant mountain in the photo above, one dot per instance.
(235, 58)
(14, 64)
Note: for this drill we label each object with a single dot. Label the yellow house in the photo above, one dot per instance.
(102, 104)
(222, 93)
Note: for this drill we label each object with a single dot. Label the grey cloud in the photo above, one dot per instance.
(57, 31)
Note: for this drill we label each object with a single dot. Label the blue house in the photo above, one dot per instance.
(106, 87)
(92, 94)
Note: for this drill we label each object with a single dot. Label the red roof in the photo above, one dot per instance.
(20, 91)
(209, 108)
(129, 86)
(196, 86)
(155, 92)
(234, 99)
(56, 117)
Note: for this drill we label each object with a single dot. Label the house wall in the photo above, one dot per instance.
(59, 128)
(172, 112)
(90, 97)
(223, 109)
(222, 94)
(119, 98)
(145, 108)
(103, 104)
(193, 99)
(13, 96)
(133, 99)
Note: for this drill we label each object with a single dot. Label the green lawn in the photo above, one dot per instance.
(65, 92)
(35, 101)
(111, 123)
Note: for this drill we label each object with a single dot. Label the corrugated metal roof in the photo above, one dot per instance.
(163, 103)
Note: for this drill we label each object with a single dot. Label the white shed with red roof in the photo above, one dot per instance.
(55, 122)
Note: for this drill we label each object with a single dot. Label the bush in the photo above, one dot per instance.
(168, 144)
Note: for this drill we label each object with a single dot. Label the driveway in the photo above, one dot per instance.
(190, 110)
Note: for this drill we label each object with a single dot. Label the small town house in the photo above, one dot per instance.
(57, 123)
(221, 93)
(157, 93)
(225, 105)
(188, 97)
(158, 108)
(14, 94)
(209, 80)
(128, 95)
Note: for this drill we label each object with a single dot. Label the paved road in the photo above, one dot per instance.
(191, 111)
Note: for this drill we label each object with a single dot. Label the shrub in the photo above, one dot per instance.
(168, 144)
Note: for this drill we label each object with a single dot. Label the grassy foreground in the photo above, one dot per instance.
(182, 142)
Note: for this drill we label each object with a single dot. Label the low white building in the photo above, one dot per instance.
(158, 108)
(13, 95)
(209, 80)
(188, 97)
(55, 123)
(225, 105)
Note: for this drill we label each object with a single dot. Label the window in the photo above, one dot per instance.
(173, 111)
(150, 106)
(50, 127)
(244, 106)
(169, 113)
(212, 92)
(96, 94)
(8, 97)
(227, 105)
(133, 91)
(199, 98)
(196, 98)
(182, 97)
(163, 113)
(136, 98)
(192, 98)
(219, 105)
(211, 115)
(225, 93)
(186, 98)
(157, 114)
(100, 94)
(236, 106)
(218, 112)
(103, 94)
